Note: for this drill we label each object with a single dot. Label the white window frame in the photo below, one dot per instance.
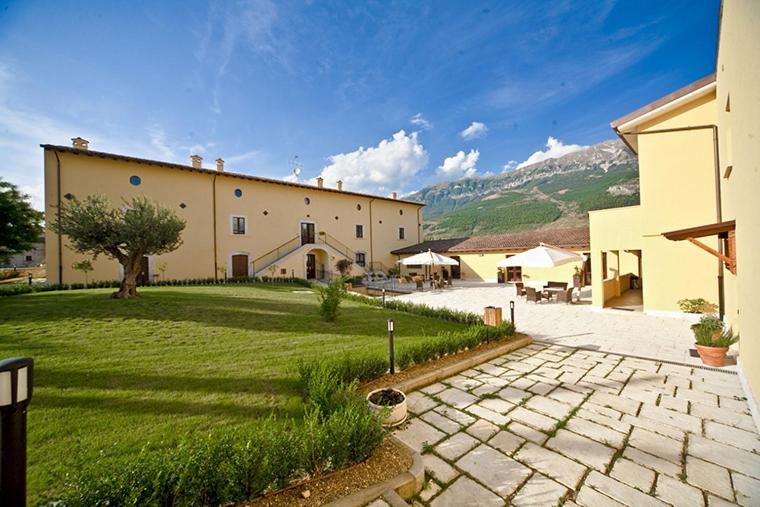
(357, 252)
(400, 229)
(316, 229)
(232, 225)
(359, 237)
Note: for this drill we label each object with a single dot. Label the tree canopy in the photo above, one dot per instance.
(140, 228)
(20, 224)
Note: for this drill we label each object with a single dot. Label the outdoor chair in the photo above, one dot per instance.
(520, 288)
(561, 285)
(532, 295)
(565, 296)
(419, 283)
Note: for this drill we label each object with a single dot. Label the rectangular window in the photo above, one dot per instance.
(361, 259)
(401, 233)
(28, 258)
(238, 225)
(604, 265)
(359, 231)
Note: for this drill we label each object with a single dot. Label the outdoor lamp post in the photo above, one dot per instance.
(391, 352)
(512, 311)
(15, 393)
(383, 297)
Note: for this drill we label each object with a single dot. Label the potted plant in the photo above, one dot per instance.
(712, 341)
(391, 403)
(577, 277)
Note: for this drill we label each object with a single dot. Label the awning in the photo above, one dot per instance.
(428, 258)
(724, 230)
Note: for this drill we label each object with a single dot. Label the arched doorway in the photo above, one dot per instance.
(317, 264)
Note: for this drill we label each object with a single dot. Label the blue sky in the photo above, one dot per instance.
(385, 96)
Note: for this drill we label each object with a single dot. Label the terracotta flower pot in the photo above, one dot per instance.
(396, 413)
(712, 356)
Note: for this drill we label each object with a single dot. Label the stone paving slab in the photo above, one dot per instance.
(585, 428)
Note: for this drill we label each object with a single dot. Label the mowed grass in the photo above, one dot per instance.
(114, 376)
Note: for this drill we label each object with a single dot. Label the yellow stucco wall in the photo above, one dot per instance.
(273, 215)
(738, 106)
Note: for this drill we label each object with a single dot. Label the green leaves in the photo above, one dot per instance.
(20, 224)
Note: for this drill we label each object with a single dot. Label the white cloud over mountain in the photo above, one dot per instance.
(554, 149)
(389, 166)
(461, 165)
(475, 130)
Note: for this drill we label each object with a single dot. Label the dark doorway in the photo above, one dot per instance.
(311, 266)
(456, 271)
(144, 276)
(587, 270)
(514, 274)
(239, 265)
(307, 234)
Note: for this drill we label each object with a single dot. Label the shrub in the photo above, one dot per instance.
(417, 309)
(704, 330)
(226, 467)
(346, 369)
(697, 305)
(330, 297)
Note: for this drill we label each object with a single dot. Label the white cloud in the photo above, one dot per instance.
(509, 166)
(554, 149)
(475, 130)
(459, 166)
(390, 165)
(293, 177)
(420, 122)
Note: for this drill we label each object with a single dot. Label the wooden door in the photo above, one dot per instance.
(239, 265)
(311, 266)
(307, 234)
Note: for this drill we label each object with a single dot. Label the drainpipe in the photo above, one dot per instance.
(58, 213)
(371, 251)
(213, 204)
(419, 225)
(718, 198)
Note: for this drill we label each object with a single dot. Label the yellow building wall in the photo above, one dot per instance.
(273, 215)
(738, 107)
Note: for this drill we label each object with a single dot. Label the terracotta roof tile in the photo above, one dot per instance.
(436, 245)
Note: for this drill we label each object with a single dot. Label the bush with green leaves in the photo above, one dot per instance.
(422, 310)
(330, 297)
(226, 467)
(707, 326)
(695, 305)
(346, 369)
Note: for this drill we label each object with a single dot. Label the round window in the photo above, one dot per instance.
(306, 201)
(238, 192)
(135, 180)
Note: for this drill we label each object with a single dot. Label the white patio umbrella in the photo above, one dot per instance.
(543, 256)
(428, 258)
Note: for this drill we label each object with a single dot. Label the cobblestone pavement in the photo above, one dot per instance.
(577, 325)
(549, 423)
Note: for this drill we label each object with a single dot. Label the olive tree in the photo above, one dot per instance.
(141, 227)
(20, 224)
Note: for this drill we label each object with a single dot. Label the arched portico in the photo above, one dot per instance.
(317, 264)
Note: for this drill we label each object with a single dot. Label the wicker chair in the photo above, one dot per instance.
(532, 295)
(560, 285)
(565, 296)
(520, 288)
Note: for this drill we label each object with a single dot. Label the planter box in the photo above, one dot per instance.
(396, 413)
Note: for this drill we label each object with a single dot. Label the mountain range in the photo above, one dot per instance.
(551, 194)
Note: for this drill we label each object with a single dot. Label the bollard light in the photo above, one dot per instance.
(15, 394)
(391, 351)
(384, 298)
(30, 278)
(512, 312)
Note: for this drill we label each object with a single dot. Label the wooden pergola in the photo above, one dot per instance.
(726, 232)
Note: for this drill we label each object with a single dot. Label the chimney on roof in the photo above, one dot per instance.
(80, 143)
(320, 182)
(394, 195)
(196, 161)
(339, 185)
(220, 165)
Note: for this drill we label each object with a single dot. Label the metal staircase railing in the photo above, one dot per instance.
(378, 266)
(275, 254)
(337, 245)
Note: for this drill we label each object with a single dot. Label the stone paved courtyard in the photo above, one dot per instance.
(549, 424)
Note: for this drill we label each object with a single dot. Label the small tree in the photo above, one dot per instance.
(330, 298)
(20, 224)
(85, 267)
(162, 269)
(126, 234)
(344, 266)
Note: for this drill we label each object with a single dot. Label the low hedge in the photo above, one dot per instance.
(15, 289)
(417, 309)
(226, 467)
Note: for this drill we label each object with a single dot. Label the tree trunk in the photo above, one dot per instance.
(128, 288)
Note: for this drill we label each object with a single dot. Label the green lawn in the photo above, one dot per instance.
(112, 376)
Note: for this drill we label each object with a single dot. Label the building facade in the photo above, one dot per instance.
(31, 258)
(478, 256)
(237, 225)
(697, 230)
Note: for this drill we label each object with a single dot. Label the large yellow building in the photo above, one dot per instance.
(697, 230)
(237, 225)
